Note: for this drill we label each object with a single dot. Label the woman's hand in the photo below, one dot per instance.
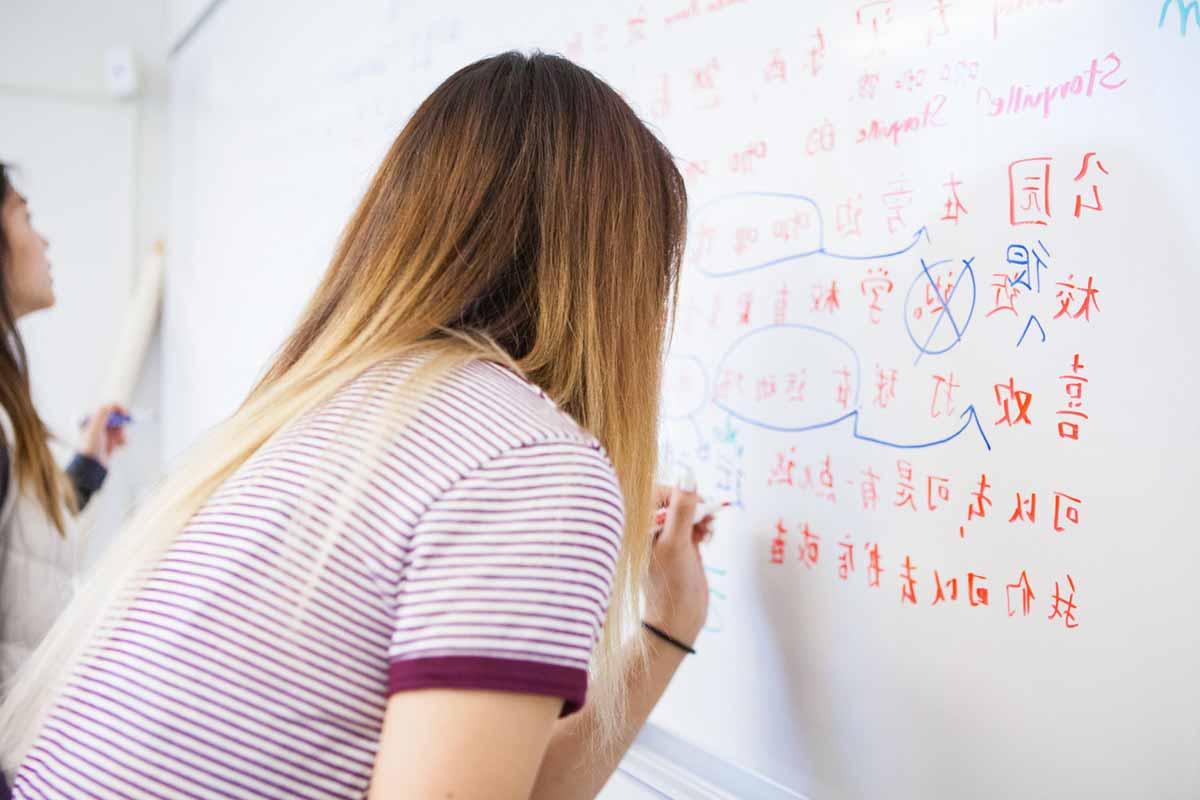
(97, 440)
(677, 586)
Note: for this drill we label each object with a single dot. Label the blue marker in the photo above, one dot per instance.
(115, 420)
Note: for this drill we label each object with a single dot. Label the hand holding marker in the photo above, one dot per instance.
(115, 420)
(687, 480)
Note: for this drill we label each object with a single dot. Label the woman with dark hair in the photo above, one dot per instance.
(38, 500)
(412, 563)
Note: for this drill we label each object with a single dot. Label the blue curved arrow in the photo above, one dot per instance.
(972, 418)
(819, 250)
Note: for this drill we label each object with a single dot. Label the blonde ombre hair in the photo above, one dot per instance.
(523, 215)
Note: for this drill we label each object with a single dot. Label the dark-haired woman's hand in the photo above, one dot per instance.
(98, 439)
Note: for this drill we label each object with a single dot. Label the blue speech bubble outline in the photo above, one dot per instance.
(820, 250)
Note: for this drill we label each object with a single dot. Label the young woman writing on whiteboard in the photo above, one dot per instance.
(38, 500)
(388, 572)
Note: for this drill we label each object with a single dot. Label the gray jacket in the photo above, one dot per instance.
(38, 565)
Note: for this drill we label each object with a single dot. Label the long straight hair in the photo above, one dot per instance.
(29, 456)
(524, 215)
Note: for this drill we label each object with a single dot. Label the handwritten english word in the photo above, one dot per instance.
(884, 131)
(1024, 98)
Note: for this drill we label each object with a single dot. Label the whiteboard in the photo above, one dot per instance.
(942, 261)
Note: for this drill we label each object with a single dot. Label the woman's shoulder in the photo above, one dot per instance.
(490, 404)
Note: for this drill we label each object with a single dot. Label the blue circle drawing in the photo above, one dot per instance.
(946, 314)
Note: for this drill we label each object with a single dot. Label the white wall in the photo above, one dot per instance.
(92, 167)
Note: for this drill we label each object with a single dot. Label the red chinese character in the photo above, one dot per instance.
(899, 198)
(1013, 400)
(876, 14)
(939, 28)
(795, 386)
(729, 381)
(873, 568)
(765, 388)
(868, 86)
(704, 245)
(704, 81)
(744, 302)
(885, 386)
(845, 558)
(776, 70)
(842, 389)
(877, 285)
(779, 544)
(979, 507)
(1064, 608)
(791, 227)
(810, 548)
(978, 595)
(849, 216)
(783, 472)
(870, 490)
(1026, 510)
(1065, 507)
(1006, 294)
(1079, 204)
(1069, 429)
(781, 304)
(951, 585)
(826, 480)
(904, 490)
(1029, 191)
(943, 385)
(636, 26)
(935, 292)
(825, 299)
(660, 105)
(908, 591)
(954, 206)
(744, 237)
(939, 488)
(1066, 298)
(1022, 585)
(816, 54)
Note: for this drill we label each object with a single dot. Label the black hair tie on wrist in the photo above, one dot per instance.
(666, 637)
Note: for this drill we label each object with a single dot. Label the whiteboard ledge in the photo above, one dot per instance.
(674, 766)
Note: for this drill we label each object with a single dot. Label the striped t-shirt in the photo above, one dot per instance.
(480, 556)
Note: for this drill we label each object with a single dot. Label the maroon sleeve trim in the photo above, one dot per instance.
(498, 674)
